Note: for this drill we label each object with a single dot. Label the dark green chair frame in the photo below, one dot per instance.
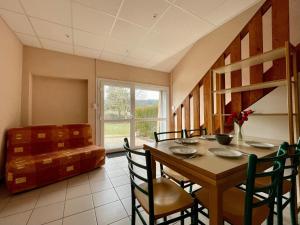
(149, 180)
(190, 133)
(158, 139)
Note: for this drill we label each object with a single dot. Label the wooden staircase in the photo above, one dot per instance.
(240, 101)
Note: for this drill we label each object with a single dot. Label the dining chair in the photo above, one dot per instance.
(159, 197)
(166, 171)
(242, 207)
(194, 132)
(287, 191)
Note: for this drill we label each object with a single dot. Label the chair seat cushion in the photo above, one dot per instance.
(234, 205)
(265, 181)
(174, 175)
(168, 198)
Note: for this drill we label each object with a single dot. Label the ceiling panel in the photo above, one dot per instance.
(108, 6)
(228, 10)
(142, 53)
(91, 20)
(52, 31)
(86, 52)
(127, 32)
(57, 46)
(200, 8)
(113, 57)
(143, 12)
(85, 39)
(17, 22)
(58, 11)
(29, 40)
(13, 5)
(118, 46)
(174, 24)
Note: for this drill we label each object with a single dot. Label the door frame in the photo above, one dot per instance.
(100, 82)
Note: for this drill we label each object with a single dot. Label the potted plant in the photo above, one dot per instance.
(239, 119)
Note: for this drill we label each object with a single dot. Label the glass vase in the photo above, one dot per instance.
(239, 135)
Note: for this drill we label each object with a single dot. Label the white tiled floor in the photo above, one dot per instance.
(99, 197)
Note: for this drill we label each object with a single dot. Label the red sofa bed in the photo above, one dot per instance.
(40, 155)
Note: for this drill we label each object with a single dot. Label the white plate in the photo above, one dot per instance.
(182, 150)
(259, 144)
(208, 137)
(226, 152)
(189, 141)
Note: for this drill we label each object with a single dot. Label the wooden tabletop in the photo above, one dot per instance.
(216, 173)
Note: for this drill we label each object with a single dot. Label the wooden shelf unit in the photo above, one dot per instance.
(287, 52)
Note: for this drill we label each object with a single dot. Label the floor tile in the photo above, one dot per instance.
(46, 214)
(62, 185)
(17, 205)
(124, 191)
(77, 205)
(84, 218)
(48, 197)
(115, 173)
(17, 219)
(127, 205)
(125, 221)
(110, 213)
(98, 174)
(77, 191)
(104, 197)
(78, 180)
(119, 181)
(100, 185)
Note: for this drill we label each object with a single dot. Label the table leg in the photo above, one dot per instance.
(153, 167)
(215, 206)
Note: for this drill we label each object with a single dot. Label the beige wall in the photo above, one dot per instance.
(59, 65)
(59, 100)
(10, 84)
(204, 53)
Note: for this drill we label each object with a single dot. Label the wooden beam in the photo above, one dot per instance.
(280, 33)
(196, 106)
(255, 48)
(179, 118)
(236, 76)
(187, 113)
(207, 103)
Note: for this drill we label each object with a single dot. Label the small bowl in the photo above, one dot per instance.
(224, 139)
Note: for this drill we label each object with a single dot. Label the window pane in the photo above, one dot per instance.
(147, 103)
(116, 102)
(114, 134)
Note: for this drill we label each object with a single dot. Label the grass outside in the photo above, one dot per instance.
(116, 129)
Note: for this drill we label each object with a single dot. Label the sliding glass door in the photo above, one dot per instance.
(129, 110)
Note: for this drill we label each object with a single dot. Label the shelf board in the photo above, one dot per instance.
(257, 86)
(254, 60)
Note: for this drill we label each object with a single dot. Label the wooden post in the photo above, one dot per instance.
(187, 113)
(196, 106)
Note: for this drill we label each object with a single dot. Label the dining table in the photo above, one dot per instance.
(208, 170)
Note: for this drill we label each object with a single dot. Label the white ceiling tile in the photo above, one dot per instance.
(179, 24)
(108, 6)
(228, 10)
(85, 39)
(134, 61)
(142, 53)
(13, 5)
(86, 52)
(29, 40)
(118, 46)
(113, 57)
(57, 46)
(128, 32)
(200, 8)
(58, 11)
(17, 22)
(52, 31)
(143, 12)
(91, 20)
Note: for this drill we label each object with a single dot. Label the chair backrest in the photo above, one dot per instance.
(194, 132)
(253, 173)
(165, 136)
(140, 160)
